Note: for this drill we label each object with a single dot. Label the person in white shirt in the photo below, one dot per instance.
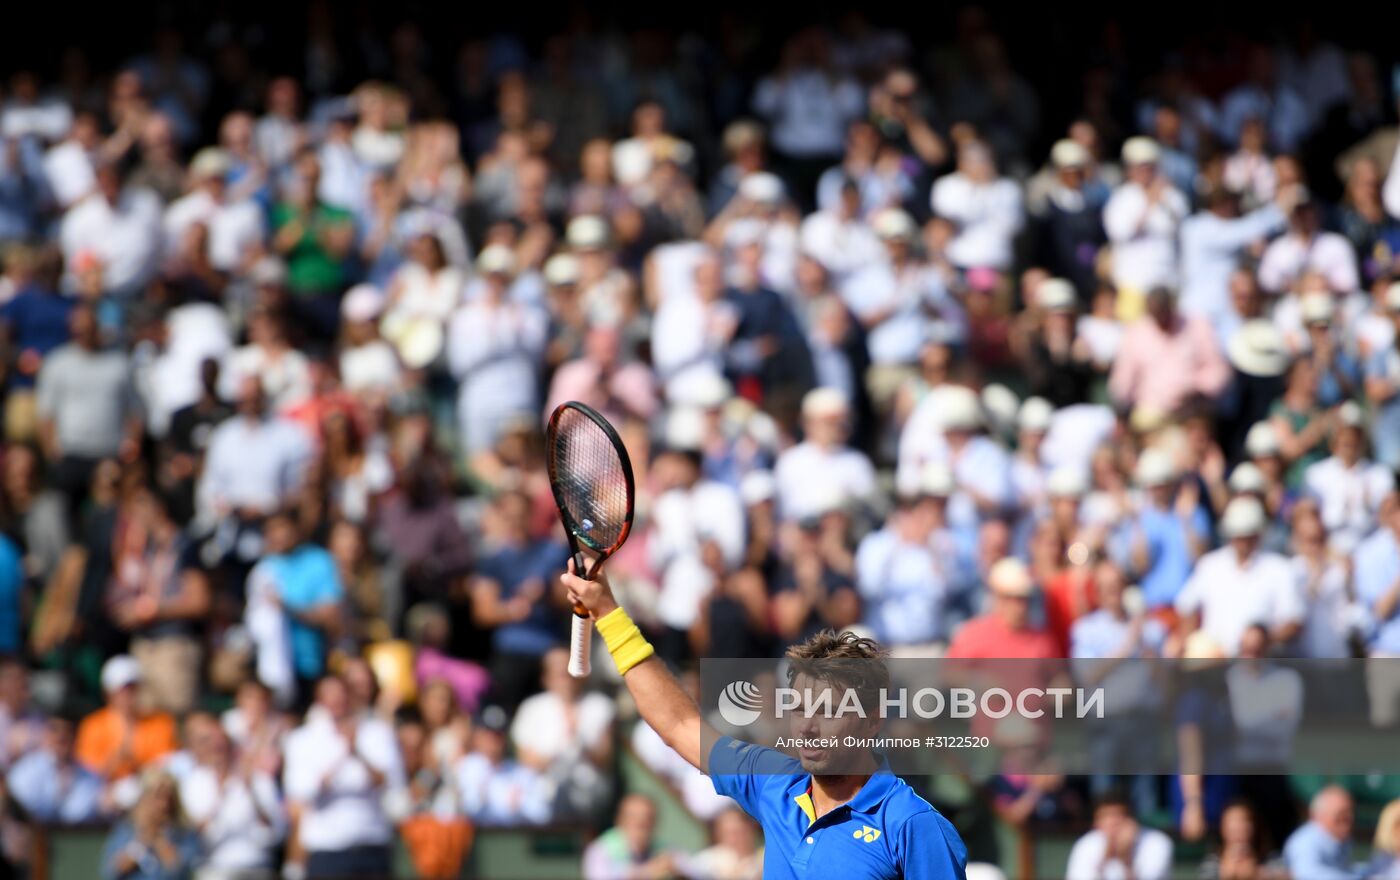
(1239, 585)
(368, 364)
(691, 329)
(690, 512)
(895, 300)
(68, 164)
(426, 287)
(946, 427)
(339, 766)
(1349, 488)
(985, 208)
(1141, 219)
(810, 469)
(839, 238)
(238, 810)
(566, 735)
(236, 229)
(121, 227)
(1118, 847)
(808, 106)
(1307, 248)
(495, 349)
(1028, 469)
(284, 371)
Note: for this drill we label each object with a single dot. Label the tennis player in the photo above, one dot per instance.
(849, 825)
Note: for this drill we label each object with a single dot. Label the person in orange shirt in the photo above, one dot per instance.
(119, 740)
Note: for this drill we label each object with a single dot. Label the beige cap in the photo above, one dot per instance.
(1067, 481)
(761, 186)
(1056, 295)
(821, 402)
(210, 162)
(1392, 297)
(959, 409)
(936, 480)
(1154, 468)
(1262, 441)
(1141, 151)
(895, 224)
(707, 391)
(685, 429)
(1247, 478)
(1001, 406)
(757, 487)
(1035, 415)
(496, 259)
(1069, 153)
(363, 302)
(1244, 517)
(1351, 415)
(561, 269)
(587, 232)
(1010, 577)
(1318, 308)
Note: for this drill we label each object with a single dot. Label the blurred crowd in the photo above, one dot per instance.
(891, 349)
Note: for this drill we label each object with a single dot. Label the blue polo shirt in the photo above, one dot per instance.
(885, 832)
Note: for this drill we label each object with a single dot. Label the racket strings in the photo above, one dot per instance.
(591, 479)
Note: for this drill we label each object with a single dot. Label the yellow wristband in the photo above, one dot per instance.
(625, 642)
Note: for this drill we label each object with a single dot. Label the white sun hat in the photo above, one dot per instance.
(1154, 468)
(1258, 348)
(1244, 517)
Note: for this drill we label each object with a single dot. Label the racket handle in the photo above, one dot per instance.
(581, 646)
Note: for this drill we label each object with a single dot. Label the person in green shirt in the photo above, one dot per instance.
(314, 238)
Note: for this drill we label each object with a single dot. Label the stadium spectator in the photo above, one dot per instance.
(1385, 851)
(120, 740)
(1119, 846)
(1141, 219)
(1321, 847)
(339, 766)
(1243, 850)
(150, 844)
(629, 848)
(1166, 358)
(236, 807)
(51, 785)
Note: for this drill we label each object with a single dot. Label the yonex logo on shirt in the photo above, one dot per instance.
(867, 834)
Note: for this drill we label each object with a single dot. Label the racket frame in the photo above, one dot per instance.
(581, 630)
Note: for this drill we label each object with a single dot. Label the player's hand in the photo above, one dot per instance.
(595, 595)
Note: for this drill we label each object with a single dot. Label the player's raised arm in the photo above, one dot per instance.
(660, 699)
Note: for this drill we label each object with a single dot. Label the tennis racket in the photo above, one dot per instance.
(591, 476)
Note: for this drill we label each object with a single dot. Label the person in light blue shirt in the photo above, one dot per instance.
(308, 585)
(1160, 543)
(1376, 573)
(50, 783)
(1321, 848)
(11, 584)
(1212, 243)
(903, 583)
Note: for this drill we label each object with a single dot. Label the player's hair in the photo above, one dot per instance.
(844, 659)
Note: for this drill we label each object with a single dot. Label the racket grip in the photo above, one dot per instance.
(580, 646)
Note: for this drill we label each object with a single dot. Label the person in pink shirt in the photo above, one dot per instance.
(602, 381)
(1167, 358)
(1006, 632)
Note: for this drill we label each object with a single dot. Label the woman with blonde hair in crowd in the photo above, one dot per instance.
(1385, 849)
